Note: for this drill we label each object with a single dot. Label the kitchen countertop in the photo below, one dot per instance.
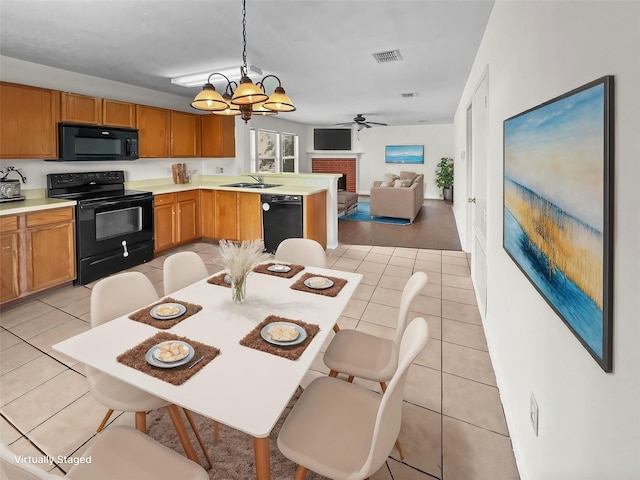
(33, 205)
(39, 202)
(281, 190)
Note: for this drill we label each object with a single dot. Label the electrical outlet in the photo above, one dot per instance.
(533, 414)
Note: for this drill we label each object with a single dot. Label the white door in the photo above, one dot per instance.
(477, 165)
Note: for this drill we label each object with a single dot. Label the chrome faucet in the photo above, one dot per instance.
(257, 178)
(5, 173)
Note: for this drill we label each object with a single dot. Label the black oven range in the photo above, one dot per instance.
(114, 226)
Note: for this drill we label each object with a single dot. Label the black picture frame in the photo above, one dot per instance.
(558, 208)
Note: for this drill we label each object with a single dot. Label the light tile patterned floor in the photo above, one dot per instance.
(453, 424)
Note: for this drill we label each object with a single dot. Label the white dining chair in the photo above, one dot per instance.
(303, 251)
(119, 452)
(344, 431)
(178, 271)
(111, 298)
(182, 269)
(362, 355)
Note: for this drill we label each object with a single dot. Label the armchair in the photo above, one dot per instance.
(398, 201)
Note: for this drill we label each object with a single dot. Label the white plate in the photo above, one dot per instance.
(152, 360)
(302, 334)
(318, 283)
(157, 316)
(278, 268)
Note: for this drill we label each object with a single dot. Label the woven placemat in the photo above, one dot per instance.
(219, 280)
(332, 291)
(135, 358)
(144, 315)
(263, 268)
(254, 338)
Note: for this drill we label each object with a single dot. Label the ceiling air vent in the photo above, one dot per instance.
(409, 94)
(390, 56)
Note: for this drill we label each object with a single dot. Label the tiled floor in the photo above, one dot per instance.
(453, 424)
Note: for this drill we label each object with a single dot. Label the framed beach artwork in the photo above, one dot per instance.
(404, 154)
(558, 208)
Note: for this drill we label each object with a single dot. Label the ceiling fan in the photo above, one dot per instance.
(360, 122)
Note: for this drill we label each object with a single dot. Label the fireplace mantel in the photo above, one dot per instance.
(335, 153)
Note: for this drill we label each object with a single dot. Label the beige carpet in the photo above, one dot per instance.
(233, 456)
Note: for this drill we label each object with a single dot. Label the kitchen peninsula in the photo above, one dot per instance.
(211, 209)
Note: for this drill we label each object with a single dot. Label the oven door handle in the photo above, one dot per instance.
(103, 203)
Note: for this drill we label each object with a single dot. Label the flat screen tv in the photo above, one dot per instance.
(332, 139)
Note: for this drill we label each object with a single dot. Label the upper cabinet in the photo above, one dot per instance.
(118, 114)
(80, 108)
(218, 136)
(185, 134)
(154, 127)
(28, 121)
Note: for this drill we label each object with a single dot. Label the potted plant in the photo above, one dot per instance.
(444, 178)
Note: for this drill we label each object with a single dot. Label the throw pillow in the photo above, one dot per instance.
(390, 177)
(402, 183)
(386, 184)
(408, 176)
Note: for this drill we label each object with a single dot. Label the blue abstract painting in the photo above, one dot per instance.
(557, 173)
(404, 154)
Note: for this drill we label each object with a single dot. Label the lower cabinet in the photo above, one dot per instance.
(224, 214)
(38, 251)
(176, 219)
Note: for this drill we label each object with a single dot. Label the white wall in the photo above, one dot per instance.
(589, 420)
(369, 146)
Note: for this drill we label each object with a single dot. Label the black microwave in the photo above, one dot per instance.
(88, 143)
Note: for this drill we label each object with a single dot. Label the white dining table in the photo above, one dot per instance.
(242, 387)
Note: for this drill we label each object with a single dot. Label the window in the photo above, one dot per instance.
(274, 152)
(289, 149)
(267, 151)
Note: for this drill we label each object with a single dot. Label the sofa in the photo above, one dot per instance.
(398, 196)
(347, 201)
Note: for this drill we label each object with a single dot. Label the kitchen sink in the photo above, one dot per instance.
(252, 185)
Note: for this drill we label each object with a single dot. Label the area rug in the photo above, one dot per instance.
(363, 214)
(233, 457)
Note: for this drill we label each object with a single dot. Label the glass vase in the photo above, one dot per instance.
(239, 289)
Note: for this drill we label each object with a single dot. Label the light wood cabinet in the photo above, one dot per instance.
(28, 121)
(47, 232)
(185, 134)
(38, 251)
(226, 208)
(314, 215)
(9, 245)
(249, 216)
(187, 214)
(175, 219)
(208, 213)
(80, 108)
(154, 127)
(164, 221)
(118, 114)
(218, 136)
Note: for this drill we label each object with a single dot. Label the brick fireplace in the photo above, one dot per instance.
(346, 166)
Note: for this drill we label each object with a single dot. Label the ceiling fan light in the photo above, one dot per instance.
(248, 93)
(279, 101)
(209, 100)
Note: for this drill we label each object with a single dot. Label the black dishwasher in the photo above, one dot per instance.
(281, 218)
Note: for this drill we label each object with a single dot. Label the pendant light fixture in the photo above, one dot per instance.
(245, 98)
